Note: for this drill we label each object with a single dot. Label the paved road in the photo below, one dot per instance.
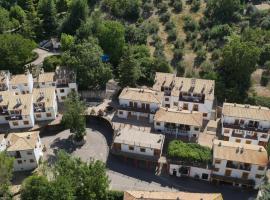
(42, 54)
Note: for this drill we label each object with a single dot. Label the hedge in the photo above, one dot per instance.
(115, 195)
(189, 152)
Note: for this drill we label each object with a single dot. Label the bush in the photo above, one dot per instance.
(195, 6)
(163, 7)
(179, 44)
(115, 195)
(190, 24)
(180, 68)
(178, 54)
(189, 152)
(172, 35)
(201, 56)
(151, 27)
(220, 31)
(169, 25)
(178, 5)
(50, 63)
(215, 54)
(165, 17)
(265, 78)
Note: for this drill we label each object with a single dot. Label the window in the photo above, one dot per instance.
(120, 112)
(32, 160)
(167, 105)
(175, 103)
(142, 149)
(185, 106)
(258, 176)
(196, 128)
(15, 123)
(14, 87)
(195, 107)
(38, 115)
(217, 161)
(204, 176)
(238, 140)
(166, 99)
(26, 122)
(62, 91)
(226, 130)
(48, 114)
(204, 114)
(25, 84)
(19, 161)
(248, 141)
(228, 172)
(216, 169)
(261, 168)
(245, 175)
(43, 83)
(29, 153)
(63, 97)
(158, 123)
(131, 148)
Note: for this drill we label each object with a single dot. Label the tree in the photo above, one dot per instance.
(222, 10)
(85, 58)
(14, 52)
(73, 117)
(5, 22)
(47, 12)
(6, 168)
(66, 41)
(17, 13)
(77, 16)
(129, 69)
(111, 36)
(238, 62)
(62, 5)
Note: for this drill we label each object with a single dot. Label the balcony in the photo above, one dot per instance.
(243, 135)
(245, 127)
(167, 93)
(14, 117)
(249, 182)
(245, 167)
(4, 112)
(62, 85)
(39, 109)
(191, 99)
(136, 109)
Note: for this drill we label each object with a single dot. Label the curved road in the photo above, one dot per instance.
(42, 54)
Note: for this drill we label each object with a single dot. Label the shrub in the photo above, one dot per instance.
(165, 17)
(50, 63)
(115, 195)
(180, 68)
(179, 44)
(190, 24)
(220, 31)
(215, 54)
(195, 6)
(211, 45)
(178, 54)
(151, 27)
(169, 25)
(189, 152)
(163, 7)
(172, 35)
(178, 5)
(265, 78)
(201, 56)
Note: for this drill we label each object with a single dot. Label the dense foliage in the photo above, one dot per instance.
(189, 152)
(71, 179)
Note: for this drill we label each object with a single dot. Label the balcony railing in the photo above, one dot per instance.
(136, 109)
(238, 166)
(3, 112)
(245, 127)
(62, 85)
(14, 117)
(39, 109)
(191, 99)
(243, 135)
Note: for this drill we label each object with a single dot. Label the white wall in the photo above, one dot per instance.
(21, 87)
(29, 118)
(148, 151)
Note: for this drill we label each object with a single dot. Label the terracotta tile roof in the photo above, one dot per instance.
(46, 77)
(44, 95)
(179, 117)
(142, 95)
(19, 79)
(246, 111)
(152, 195)
(5, 96)
(206, 140)
(138, 138)
(181, 84)
(22, 141)
(23, 102)
(245, 153)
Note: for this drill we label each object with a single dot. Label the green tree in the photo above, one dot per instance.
(77, 16)
(238, 62)
(47, 12)
(27, 5)
(14, 52)
(6, 168)
(5, 22)
(66, 41)
(35, 187)
(222, 10)
(17, 13)
(73, 117)
(111, 36)
(85, 59)
(62, 5)
(129, 69)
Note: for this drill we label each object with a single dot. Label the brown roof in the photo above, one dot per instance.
(46, 77)
(138, 138)
(22, 141)
(179, 117)
(23, 102)
(206, 140)
(19, 79)
(246, 111)
(245, 153)
(181, 84)
(44, 95)
(142, 95)
(152, 195)
(5, 96)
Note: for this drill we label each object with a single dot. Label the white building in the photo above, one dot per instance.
(47, 79)
(186, 93)
(139, 103)
(4, 96)
(245, 124)
(178, 123)
(239, 164)
(3, 142)
(45, 104)
(4, 80)
(65, 83)
(20, 111)
(21, 83)
(138, 145)
(26, 148)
